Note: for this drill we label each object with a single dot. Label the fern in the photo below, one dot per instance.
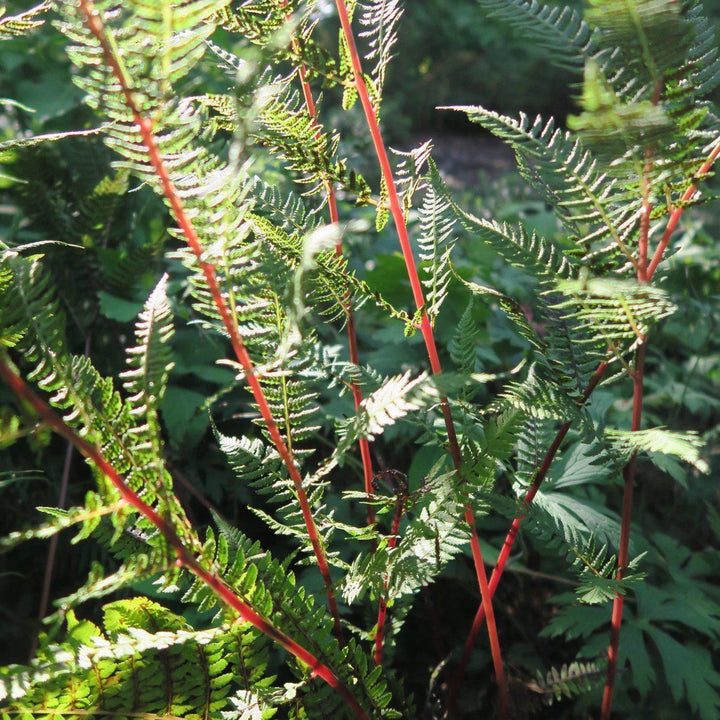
(436, 242)
(567, 682)
(223, 126)
(379, 18)
(397, 397)
(560, 33)
(686, 446)
(17, 25)
(171, 670)
(593, 207)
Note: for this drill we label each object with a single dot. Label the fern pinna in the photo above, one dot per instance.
(215, 107)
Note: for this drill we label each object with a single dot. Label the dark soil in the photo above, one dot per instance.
(464, 159)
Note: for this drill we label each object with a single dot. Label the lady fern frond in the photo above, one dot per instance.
(518, 246)
(435, 242)
(147, 658)
(394, 399)
(594, 208)
(559, 33)
(17, 25)
(379, 18)
(686, 446)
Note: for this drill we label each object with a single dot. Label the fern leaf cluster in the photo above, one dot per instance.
(209, 104)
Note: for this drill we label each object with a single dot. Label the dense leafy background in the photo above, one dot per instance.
(445, 56)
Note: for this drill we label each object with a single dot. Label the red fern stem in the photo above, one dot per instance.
(676, 214)
(184, 556)
(636, 423)
(382, 605)
(349, 315)
(144, 124)
(512, 534)
(644, 275)
(425, 327)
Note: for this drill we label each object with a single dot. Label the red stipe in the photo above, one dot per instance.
(145, 128)
(350, 317)
(676, 214)
(629, 477)
(643, 238)
(425, 327)
(504, 555)
(643, 274)
(382, 606)
(184, 556)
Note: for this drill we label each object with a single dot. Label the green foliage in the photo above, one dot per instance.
(17, 25)
(203, 105)
(169, 669)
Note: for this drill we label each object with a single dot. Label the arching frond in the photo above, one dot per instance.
(379, 18)
(686, 446)
(397, 397)
(594, 208)
(24, 22)
(560, 33)
(146, 657)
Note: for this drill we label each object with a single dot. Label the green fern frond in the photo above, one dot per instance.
(593, 207)
(433, 535)
(514, 243)
(512, 310)
(397, 397)
(568, 681)
(409, 173)
(88, 400)
(572, 349)
(538, 396)
(270, 588)
(281, 122)
(435, 241)
(704, 58)
(686, 446)
(651, 37)
(24, 22)
(135, 569)
(462, 347)
(150, 360)
(618, 311)
(559, 33)
(147, 658)
(379, 18)
(88, 515)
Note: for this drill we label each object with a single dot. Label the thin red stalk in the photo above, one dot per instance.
(676, 214)
(629, 477)
(95, 26)
(499, 569)
(425, 327)
(184, 556)
(382, 606)
(644, 275)
(350, 317)
(644, 236)
(629, 470)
